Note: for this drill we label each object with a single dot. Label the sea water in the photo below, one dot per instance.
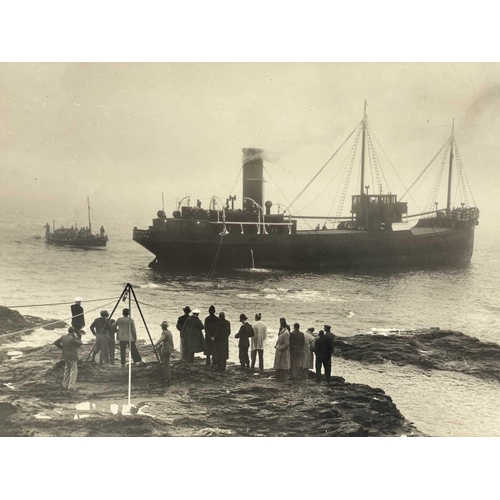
(466, 300)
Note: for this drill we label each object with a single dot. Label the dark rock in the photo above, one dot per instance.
(13, 321)
(430, 349)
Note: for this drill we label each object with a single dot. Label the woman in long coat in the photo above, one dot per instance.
(193, 335)
(309, 341)
(282, 356)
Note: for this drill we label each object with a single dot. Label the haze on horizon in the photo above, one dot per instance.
(123, 133)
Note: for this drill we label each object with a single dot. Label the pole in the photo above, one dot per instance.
(162, 202)
(448, 200)
(129, 347)
(363, 154)
(88, 208)
(147, 329)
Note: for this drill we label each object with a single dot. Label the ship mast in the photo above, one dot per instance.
(448, 201)
(88, 208)
(362, 188)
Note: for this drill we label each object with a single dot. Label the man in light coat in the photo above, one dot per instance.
(282, 356)
(69, 345)
(167, 348)
(309, 340)
(125, 327)
(258, 341)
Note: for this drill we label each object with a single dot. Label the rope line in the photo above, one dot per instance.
(286, 198)
(214, 264)
(54, 322)
(56, 303)
(428, 165)
(323, 167)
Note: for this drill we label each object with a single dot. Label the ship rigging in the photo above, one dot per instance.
(225, 236)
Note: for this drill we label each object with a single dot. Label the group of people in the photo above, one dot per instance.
(294, 350)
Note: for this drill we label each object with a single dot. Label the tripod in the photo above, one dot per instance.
(128, 292)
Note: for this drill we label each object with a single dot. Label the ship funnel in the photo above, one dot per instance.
(253, 178)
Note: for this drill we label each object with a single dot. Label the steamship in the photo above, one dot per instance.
(227, 237)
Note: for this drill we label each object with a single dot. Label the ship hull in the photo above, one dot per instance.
(334, 249)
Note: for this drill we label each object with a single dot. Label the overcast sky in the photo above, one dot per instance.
(123, 133)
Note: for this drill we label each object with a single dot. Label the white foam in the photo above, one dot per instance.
(42, 416)
(83, 406)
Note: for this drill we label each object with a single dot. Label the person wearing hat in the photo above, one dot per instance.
(221, 342)
(329, 335)
(69, 345)
(167, 348)
(309, 340)
(210, 322)
(127, 335)
(192, 333)
(258, 342)
(297, 341)
(244, 334)
(180, 323)
(101, 328)
(77, 317)
(323, 350)
(282, 355)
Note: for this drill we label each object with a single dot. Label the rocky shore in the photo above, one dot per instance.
(431, 349)
(203, 402)
(199, 402)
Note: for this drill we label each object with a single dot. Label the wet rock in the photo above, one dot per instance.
(198, 402)
(13, 321)
(429, 349)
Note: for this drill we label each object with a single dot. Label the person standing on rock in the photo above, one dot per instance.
(210, 322)
(180, 323)
(69, 345)
(77, 317)
(323, 350)
(329, 335)
(127, 335)
(282, 356)
(309, 340)
(167, 348)
(258, 342)
(101, 328)
(221, 342)
(244, 334)
(192, 332)
(297, 342)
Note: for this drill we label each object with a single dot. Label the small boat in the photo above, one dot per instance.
(74, 237)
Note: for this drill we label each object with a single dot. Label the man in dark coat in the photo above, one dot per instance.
(329, 335)
(323, 350)
(77, 317)
(180, 323)
(105, 339)
(297, 340)
(192, 333)
(246, 331)
(210, 323)
(221, 342)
